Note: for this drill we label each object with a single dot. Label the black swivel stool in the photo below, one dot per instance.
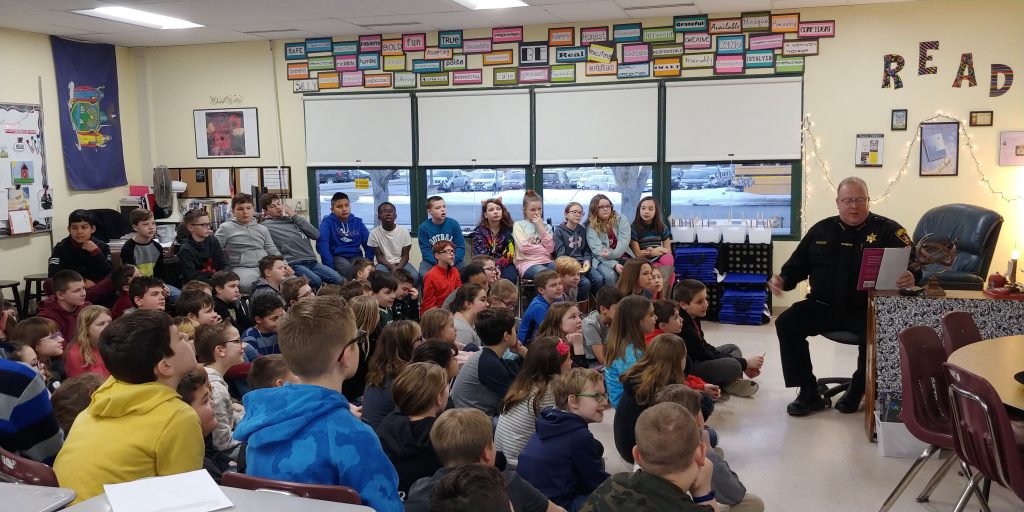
(841, 384)
(13, 285)
(34, 292)
(527, 291)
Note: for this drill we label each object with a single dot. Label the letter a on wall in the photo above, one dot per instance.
(966, 65)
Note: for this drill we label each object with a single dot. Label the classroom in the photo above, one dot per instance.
(744, 126)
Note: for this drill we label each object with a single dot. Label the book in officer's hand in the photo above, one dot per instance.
(880, 267)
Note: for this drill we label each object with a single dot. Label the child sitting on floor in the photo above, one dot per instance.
(562, 459)
(318, 339)
(725, 365)
(136, 426)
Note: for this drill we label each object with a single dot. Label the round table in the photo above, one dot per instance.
(997, 361)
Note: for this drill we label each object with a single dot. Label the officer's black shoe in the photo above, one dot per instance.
(850, 401)
(808, 401)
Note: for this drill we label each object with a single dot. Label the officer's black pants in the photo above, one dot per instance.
(811, 318)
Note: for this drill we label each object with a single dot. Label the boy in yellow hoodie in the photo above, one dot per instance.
(136, 426)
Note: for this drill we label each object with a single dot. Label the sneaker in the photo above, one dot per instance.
(741, 387)
(850, 401)
(807, 402)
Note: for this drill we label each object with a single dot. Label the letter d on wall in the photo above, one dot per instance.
(1007, 72)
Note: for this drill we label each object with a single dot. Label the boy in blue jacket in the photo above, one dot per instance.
(562, 459)
(343, 237)
(304, 432)
(549, 291)
(436, 228)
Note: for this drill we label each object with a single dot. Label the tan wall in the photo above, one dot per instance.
(23, 57)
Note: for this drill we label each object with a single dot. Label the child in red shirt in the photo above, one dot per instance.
(442, 279)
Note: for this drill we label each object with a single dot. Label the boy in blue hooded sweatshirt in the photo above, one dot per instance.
(562, 459)
(436, 228)
(343, 237)
(304, 432)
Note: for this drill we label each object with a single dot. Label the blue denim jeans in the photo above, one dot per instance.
(583, 289)
(608, 275)
(317, 273)
(532, 271)
(408, 266)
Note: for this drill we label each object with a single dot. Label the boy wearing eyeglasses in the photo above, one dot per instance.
(219, 347)
(562, 459)
(305, 432)
(442, 279)
(200, 254)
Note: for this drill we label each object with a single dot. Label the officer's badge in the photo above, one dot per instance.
(871, 238)
(902, 235)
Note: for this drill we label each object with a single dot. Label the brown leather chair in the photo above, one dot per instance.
(19, 470)
(335, 493)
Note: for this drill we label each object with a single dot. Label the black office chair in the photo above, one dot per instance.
(839, 384)
(975, 230)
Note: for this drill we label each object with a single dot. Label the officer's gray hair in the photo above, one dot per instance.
(852, 180)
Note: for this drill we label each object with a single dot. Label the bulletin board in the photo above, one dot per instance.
(223, 182)
(27, 198)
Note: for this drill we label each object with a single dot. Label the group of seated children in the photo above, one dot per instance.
(374, 385)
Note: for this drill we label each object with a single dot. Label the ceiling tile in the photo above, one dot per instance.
(60, 5)
(419, 6)
(326, 27)
(797, 4)
(342, 8)
(227, 12)
(519, 16)
(586, 11)
(654, 3)
(455, 20)
(658, 12)
(731, 6)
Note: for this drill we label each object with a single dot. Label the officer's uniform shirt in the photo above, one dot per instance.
(830, 256)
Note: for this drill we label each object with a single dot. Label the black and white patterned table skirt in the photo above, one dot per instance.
(995, 318)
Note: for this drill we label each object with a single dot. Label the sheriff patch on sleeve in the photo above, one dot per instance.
(902, 235)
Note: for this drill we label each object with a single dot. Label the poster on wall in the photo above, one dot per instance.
(227, 133)
(868, 150)
(1011, 148)
(90, 118)
(24, 183)
(940, 144)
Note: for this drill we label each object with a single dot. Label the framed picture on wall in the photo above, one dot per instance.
(899, 120)
(227, 133)
(940, 145)
(981, 118)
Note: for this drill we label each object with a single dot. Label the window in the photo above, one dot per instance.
(726, 193)
(366, 188)
(464, 189)
(624, 185)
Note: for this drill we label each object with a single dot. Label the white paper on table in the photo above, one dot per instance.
(164, 494)
(248, 177)
(220, 186)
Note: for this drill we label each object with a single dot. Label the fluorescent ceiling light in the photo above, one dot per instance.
(491, 4)
(137, 17)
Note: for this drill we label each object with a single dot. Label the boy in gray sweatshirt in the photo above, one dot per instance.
(291, 234)
(244, 241)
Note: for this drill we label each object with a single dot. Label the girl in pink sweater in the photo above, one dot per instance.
(533, 238)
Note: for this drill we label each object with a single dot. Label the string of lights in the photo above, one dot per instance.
(812, 146)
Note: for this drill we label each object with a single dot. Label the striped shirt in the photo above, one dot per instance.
(27, 425)
(517, 425)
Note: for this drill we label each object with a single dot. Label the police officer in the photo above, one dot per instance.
(830, 256)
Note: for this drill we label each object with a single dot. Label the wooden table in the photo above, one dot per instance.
(889, 313)
(997, 361)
